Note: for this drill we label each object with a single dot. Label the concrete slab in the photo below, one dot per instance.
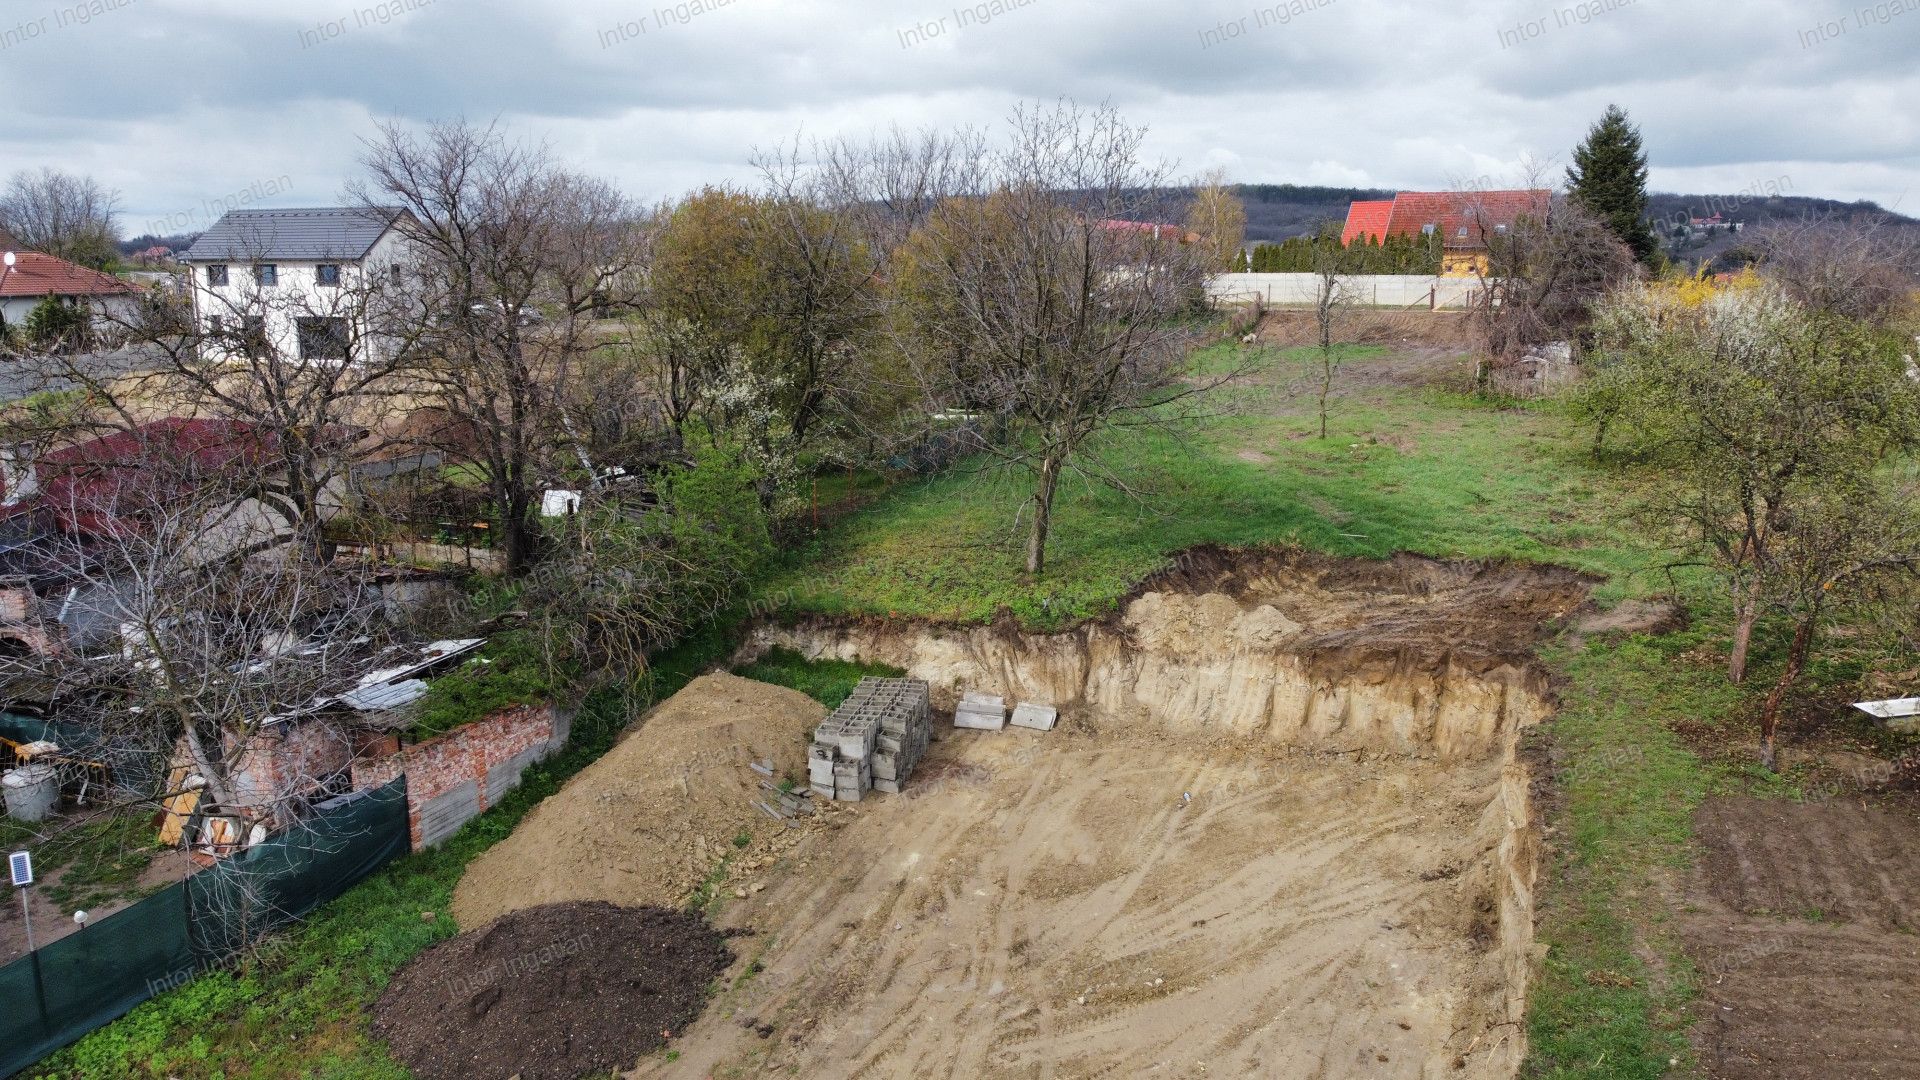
(1036, 717)
(975, 719)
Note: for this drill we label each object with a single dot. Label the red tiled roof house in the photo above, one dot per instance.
(1465, 221)
(33, 277)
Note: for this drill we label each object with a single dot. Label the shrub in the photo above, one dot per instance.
(512, 669)
(55, 325)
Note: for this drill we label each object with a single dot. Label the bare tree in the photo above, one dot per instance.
(189, 637)
(1858, 268)
(1332, 297)
(516, 257)
(892, 184)
(62, 214)
(1049, 302)
(1542, 279)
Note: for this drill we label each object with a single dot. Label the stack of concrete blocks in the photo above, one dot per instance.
(981, 712)
(872, 742)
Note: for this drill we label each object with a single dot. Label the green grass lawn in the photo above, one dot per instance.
(1408, 468)
(96, 864)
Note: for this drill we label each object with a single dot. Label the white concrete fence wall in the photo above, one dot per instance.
(1375, 290)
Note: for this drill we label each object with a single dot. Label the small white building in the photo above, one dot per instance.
(302, 278)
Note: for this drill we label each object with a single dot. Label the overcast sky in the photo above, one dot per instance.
(179, 102)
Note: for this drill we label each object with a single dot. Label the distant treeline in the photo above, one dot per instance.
(1307, 193)
(1299, 255)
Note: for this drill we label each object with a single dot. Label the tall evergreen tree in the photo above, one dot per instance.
(1609, 177)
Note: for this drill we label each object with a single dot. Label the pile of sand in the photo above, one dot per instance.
(650, 821)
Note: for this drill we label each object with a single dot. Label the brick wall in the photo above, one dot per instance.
(296, 758)
(456, 776)
(22, 621)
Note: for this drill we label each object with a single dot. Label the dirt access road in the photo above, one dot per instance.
(1053, 905)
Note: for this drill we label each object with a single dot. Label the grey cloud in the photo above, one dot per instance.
(183, 100)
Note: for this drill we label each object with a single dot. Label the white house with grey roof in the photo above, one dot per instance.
(302, 278)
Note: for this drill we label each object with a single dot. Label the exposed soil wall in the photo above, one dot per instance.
(1413, 656)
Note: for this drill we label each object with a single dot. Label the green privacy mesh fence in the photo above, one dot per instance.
(92, 977)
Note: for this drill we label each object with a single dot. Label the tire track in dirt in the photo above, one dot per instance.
(1070, 915)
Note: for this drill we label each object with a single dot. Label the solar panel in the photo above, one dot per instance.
(21, 864)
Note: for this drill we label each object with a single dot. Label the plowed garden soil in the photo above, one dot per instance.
(551, 993)
(1806, 931)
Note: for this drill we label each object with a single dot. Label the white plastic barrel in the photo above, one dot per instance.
(32, 792)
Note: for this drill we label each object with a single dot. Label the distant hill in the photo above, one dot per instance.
(1669, 211)
(1276, 212)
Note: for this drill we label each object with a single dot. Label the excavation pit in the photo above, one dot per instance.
(1282, 829)
(1105, 904)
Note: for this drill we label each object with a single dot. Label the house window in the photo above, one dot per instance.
(1427, 229)
(216, 324)
(216, 275)
(322, 338)
(266, 275)
(253, 331)
(1462, 234)
(328, 274)
(395, 273)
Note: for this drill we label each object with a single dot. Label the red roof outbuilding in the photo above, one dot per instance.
(102, 486)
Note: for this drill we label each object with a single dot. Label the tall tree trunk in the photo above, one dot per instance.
(1746, 610)
(518, 532)
(1042, 513)
(1326, 385)
(1796, 662)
